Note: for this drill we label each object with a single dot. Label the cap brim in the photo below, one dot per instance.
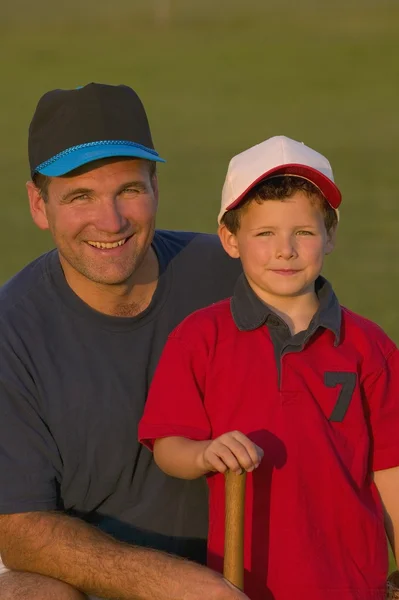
(327, 187)
(73, 158)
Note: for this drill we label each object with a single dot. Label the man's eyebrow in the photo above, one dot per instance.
(140, 185)
(75, 192)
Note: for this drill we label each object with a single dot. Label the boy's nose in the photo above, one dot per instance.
(285, 248)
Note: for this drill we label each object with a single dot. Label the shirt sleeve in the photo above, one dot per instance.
(175, 405)
(383, 401)
(27, 472)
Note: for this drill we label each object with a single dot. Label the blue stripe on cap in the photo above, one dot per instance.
(75, 157)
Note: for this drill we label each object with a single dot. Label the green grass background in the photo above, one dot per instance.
(216, 77)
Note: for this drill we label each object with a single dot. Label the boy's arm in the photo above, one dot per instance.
(190, 459)
(387, 482)
(175, 423)
(381, 390)
(180, 457)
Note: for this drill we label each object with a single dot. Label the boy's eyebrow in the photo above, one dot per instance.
(265, 225)
(262, 227)
(140, 185)
(274, 227)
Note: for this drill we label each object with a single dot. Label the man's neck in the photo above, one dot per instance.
(126, 300)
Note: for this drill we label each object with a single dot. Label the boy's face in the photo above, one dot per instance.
(281, 245)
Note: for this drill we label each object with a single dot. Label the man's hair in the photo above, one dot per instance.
(280, 188)
(42, 182)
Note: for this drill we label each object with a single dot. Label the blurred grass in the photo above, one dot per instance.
(217, 77)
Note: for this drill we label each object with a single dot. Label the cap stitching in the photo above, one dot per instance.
(51, 160)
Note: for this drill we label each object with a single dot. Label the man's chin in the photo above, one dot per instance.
(110, 279)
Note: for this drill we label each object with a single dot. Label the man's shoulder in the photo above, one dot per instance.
(173, 241)
(193, 246)
(199, 256)
(24, 285)
(197, 270)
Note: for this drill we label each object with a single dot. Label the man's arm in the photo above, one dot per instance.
(387, 482)
(68, 549)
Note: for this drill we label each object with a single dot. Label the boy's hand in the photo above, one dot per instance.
(231, 451)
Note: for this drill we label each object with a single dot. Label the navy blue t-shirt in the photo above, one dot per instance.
(73, 383)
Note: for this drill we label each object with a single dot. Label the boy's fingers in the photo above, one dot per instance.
(217, 464)
(259, 452)
(229, 458)
(240, 453)
(254, 451)
(221, 459)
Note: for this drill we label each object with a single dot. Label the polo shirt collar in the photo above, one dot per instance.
(249, 312)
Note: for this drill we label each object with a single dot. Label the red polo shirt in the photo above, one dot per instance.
(323, 405)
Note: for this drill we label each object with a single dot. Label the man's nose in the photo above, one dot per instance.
(109, 216)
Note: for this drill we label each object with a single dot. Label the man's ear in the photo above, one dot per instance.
(154, 185)
(229, 241)
(37, 206)
(331, 239)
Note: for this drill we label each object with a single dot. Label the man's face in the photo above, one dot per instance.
(281, 245)
(102, 218)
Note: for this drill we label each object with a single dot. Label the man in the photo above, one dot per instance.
(82, 330)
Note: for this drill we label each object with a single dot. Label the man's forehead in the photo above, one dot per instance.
(106, 167)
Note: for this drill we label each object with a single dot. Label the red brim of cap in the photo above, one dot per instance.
(325, 185)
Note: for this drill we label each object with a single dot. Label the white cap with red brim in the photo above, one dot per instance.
(278, 155)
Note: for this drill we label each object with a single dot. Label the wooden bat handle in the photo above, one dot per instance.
(233, 569)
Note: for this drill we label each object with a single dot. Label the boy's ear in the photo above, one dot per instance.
(37, 206)
(229, 241)
(331, 239)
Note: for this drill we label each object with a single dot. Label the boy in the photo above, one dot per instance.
(282, 371)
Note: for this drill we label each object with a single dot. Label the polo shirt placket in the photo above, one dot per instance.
(250, 313)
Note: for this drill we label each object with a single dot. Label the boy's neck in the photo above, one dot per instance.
(297, 311)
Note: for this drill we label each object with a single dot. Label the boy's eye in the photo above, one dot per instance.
(304, 232)
(264, 233)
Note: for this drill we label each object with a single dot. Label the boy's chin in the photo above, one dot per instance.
(289, 289)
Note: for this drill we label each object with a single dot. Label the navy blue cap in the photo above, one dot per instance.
(71, 128)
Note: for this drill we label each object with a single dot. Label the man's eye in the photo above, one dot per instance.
(131, 190)
(80, 197)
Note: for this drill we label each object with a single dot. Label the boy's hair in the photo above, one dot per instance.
(42, 182)
(280, 188)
